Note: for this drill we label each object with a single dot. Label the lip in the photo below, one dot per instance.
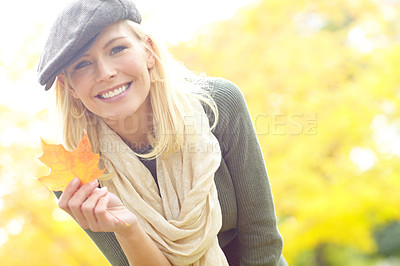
(115, 98)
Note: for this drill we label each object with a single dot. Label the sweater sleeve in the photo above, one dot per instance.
(260, 240)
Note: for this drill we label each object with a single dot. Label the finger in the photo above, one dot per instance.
(69, 191)
(106, 217)
(76, 201)
(88, 207)
(114, 201)
(101, 210)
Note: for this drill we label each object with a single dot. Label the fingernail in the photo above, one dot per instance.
(75, 181)
(94, 182)
(103, 188)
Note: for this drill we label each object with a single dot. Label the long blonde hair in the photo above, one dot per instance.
(173, 87)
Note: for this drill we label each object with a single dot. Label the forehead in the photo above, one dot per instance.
(119, 29)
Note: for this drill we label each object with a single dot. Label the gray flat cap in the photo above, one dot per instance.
(76, 29)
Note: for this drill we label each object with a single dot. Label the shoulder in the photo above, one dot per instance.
(228, 98)
(233, 114)
(224, 92)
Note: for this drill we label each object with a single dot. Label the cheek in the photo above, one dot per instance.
(82, 86)
(79, 92)
(135, 62)
(83, 79)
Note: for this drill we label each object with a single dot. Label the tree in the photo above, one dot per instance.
(33, 230)
(321, 81)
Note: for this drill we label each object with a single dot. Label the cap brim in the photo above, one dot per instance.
(49, 84)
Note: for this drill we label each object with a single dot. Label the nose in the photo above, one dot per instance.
(105, 71)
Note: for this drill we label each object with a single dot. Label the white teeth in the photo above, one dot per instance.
(113, 93)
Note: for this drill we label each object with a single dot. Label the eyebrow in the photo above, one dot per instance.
(110, 42)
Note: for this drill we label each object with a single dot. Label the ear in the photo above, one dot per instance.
(151, 60)
(64, 81)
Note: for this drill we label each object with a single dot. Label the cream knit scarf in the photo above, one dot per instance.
(183, 216)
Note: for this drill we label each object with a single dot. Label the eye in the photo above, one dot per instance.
(81, 64)
(117, 49)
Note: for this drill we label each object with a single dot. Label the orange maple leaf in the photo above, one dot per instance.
(66, 165)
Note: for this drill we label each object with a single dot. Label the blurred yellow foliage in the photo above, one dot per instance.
(33, 230)
(321, 82)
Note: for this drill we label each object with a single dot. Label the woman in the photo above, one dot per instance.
(186, 181)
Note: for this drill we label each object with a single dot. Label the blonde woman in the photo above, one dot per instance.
(184, 167)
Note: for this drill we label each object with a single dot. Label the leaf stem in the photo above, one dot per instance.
(116, 217)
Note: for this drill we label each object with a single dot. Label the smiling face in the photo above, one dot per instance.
(112, 78)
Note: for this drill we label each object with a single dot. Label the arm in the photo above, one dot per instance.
(96, 209)
(260, 241)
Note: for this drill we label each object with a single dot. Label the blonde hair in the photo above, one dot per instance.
(173, 87)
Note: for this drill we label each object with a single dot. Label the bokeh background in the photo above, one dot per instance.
(321, 79)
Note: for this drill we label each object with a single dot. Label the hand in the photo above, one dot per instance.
(95, 208)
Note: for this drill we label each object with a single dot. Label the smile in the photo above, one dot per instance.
(113, 93)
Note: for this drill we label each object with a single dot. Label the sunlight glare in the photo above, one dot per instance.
(3, 236)
(358, 38)
(386, 135)
(14, 226)
(11, 135)
(364, 158)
